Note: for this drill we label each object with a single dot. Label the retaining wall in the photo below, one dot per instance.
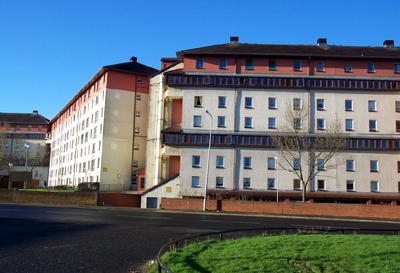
(73, 198)
(287, 208)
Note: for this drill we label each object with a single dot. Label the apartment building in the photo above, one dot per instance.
(243, 94)
(100, 135)
(23, 147)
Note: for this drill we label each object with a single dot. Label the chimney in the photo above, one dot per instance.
(322, 42)
(35, 112)
(388, 43)
(133, 59)
(234, 40)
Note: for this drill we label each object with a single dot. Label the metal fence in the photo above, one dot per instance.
(271, 231)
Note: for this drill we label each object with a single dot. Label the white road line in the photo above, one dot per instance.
(12, 210)
(68, 212)
(146, 217)
(239, 222)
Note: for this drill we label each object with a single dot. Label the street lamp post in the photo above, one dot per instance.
(27, 147)
(208, 164)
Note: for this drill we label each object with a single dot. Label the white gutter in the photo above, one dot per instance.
(158, 130)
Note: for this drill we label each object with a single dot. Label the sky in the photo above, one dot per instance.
(49, 49)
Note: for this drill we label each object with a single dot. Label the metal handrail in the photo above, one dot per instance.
(223, 235)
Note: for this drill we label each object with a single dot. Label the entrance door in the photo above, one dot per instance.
(151, 202)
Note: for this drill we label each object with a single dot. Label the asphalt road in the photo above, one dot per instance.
(103, 239)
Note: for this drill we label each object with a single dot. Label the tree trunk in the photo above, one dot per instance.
(304, 195)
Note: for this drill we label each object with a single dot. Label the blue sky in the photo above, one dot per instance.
(50, 49)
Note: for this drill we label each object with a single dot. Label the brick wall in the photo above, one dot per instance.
(120, 199)
(73, 198)
(287, 208)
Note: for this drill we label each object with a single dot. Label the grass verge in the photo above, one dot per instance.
(289, 253)
(46, 190)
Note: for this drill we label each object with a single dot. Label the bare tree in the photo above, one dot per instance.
(304, 152)
(4, 160)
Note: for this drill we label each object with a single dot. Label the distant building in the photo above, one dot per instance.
(23, 146)
(100, 135)
(247, 88)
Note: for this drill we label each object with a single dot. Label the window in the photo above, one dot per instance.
(373, 166)
(350, 185)
(371, 106)
(247, 163)
(249, 64)
(350, 165)
(372, 125)
(371, 68)
(296, 163)
(320, 124)
(320, 164)
(271, 123)
(320, 66)
(296, 66)
(320, 104)
(196, 121)
(321, 184)
(296, 123)
(271, 163)
(271, 183)
(374, 186)
(347, 67)
(248, 122)
(398, 126)
(222, 64)
(137, 146)
(349, 125)
(198, 101)
(29, 127)
(195, 181)
(348, 105)
(137, 130)
(199, 63)
(246, 182)
(195, 161)
(221, 121)
(138, 96)
(219, 182)
(248, 102)
(398, 166)
(397, 106)
(272, 65)
(296, 104)
(296, 184)
(271, 103)
(40, 127)
(396, 68)
(221, 102)
(138, 114)
(18, 127)
(220, 161)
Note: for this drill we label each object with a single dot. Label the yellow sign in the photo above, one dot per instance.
(168, 189)
(105, 170)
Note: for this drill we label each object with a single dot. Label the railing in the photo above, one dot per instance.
(272, 231)
(281, 82)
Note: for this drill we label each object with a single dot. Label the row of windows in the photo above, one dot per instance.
(319, 66)
(297, 123)
(297, 103)
(281, 82)
(271, 184)
(272, 163)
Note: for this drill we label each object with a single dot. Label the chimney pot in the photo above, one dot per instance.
(322, 41)
(234, 40)
(388, 43)
(133, 59)
(35, 112)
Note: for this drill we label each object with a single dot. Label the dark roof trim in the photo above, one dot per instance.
(159, 185)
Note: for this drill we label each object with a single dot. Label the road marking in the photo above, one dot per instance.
(68, 212)
(239, 222)
(146, 217)
(12, 210)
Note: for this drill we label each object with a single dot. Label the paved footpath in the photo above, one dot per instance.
(40, 238)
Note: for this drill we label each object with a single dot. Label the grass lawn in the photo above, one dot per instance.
(289, 253)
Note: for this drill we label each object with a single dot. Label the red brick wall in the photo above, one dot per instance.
(316, 209)
(120, 199)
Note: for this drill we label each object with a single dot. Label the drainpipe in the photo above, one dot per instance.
(158, 132)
